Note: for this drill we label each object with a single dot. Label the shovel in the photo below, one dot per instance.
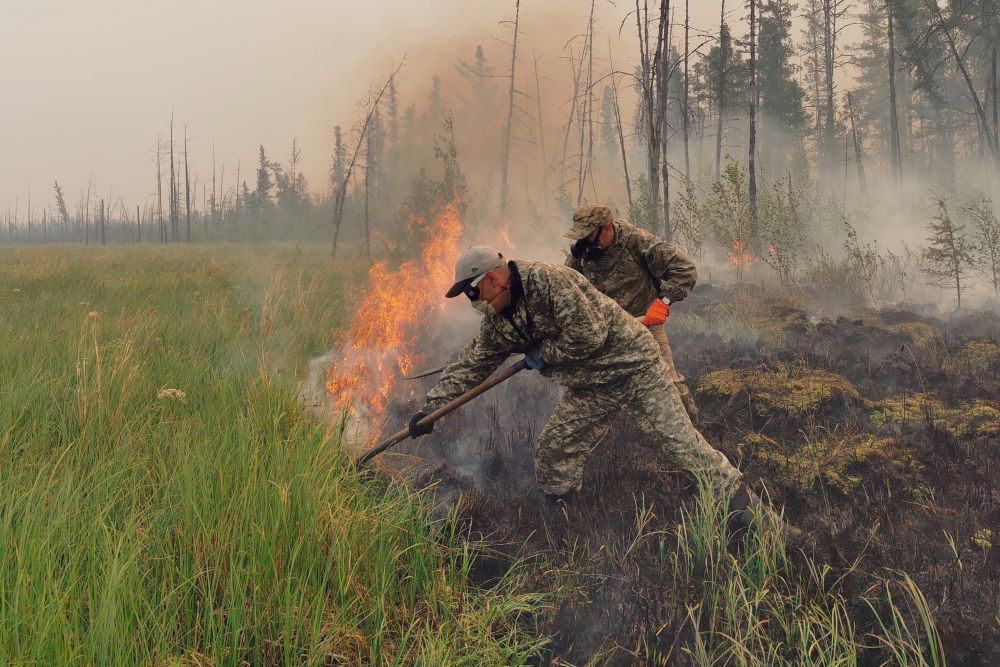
(450, 406)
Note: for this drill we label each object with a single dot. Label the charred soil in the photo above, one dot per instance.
(878, 434)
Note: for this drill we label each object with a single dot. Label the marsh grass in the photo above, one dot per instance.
(756, 608)
(165, 499)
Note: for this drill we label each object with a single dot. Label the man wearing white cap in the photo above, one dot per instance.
(606, 359)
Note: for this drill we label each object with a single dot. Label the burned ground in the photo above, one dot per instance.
(878, 433)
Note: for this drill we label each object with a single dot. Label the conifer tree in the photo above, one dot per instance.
(947, 255)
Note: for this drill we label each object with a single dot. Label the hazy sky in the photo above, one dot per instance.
(88, 84)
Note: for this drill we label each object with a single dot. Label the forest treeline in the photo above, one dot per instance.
(755, 139)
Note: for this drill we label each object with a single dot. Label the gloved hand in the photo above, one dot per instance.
(533, 359)
(417, 430)
(657, 313)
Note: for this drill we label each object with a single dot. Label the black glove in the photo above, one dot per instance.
(533, 359)
(417, 430)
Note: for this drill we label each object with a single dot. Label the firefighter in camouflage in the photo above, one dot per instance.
(639, 271)
(607, 361)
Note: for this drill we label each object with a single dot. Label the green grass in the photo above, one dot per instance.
(222, 527)
(759, 610)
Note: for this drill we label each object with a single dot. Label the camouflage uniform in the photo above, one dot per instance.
(606, 360)
(637, 269)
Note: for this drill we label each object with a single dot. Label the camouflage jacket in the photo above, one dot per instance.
(583, 337)
(639, 268)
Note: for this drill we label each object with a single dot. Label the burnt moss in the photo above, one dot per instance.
(977, 358)
(969, 419)
(833, 458)
(785, 393)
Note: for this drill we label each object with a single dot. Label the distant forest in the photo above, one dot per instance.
(763, 143)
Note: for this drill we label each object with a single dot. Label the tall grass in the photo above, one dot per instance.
(213, 524)
(756, 609)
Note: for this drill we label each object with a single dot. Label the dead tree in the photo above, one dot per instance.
(686, 119)
(222, 194)
(541, 128)
(341, 194)
(829, 34)
(857, 146)
(653, 81)
(86, 216)
(720, 97)
(237, 187)
(662, 83)
(985, 128)
(896, 155)
(215, 205)
(587, 111)
(508, 128)
(753, 111)
(621, 134)
(187, 186)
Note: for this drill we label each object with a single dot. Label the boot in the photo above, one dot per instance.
(689, 404)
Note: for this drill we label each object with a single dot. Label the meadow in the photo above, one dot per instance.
(166, 499)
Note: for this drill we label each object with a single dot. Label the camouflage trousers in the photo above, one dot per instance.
(583, 416)
(660, 336)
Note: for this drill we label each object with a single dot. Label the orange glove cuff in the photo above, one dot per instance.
(657, 314)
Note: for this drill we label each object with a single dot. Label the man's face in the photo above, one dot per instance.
(495, 290)
(604, 236)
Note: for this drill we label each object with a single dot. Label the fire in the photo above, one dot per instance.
(740, 255)
(380, 344)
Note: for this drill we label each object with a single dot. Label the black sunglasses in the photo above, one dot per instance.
(471, 291)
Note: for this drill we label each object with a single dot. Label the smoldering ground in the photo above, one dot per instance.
(877, 434)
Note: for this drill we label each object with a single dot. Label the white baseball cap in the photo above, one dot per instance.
(472, 265)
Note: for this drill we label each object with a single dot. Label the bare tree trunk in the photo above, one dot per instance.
(621, 140)
(204, 206)
(508, 128)
(648, 80)
(993, 87)
(173, 185)
(341, 194)
(138, 225)
(894, 150)
(586, 111)
(980, 112)
(720, 98)
(753, 110)
(222, 194)
(187, 186)
(86, 219)
(572, 111)
(215, 202)
(686, 110)
(857, 146)
(828, 37)
(541, 129)
(159, 187)
(104, 238)
(368, 173)
(663, 89)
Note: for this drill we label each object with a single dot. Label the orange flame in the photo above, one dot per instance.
(740, 255)
(380, 343)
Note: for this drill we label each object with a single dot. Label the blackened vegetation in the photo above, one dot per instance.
(879, 434)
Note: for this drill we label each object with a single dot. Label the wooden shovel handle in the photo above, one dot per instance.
(450, 406)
